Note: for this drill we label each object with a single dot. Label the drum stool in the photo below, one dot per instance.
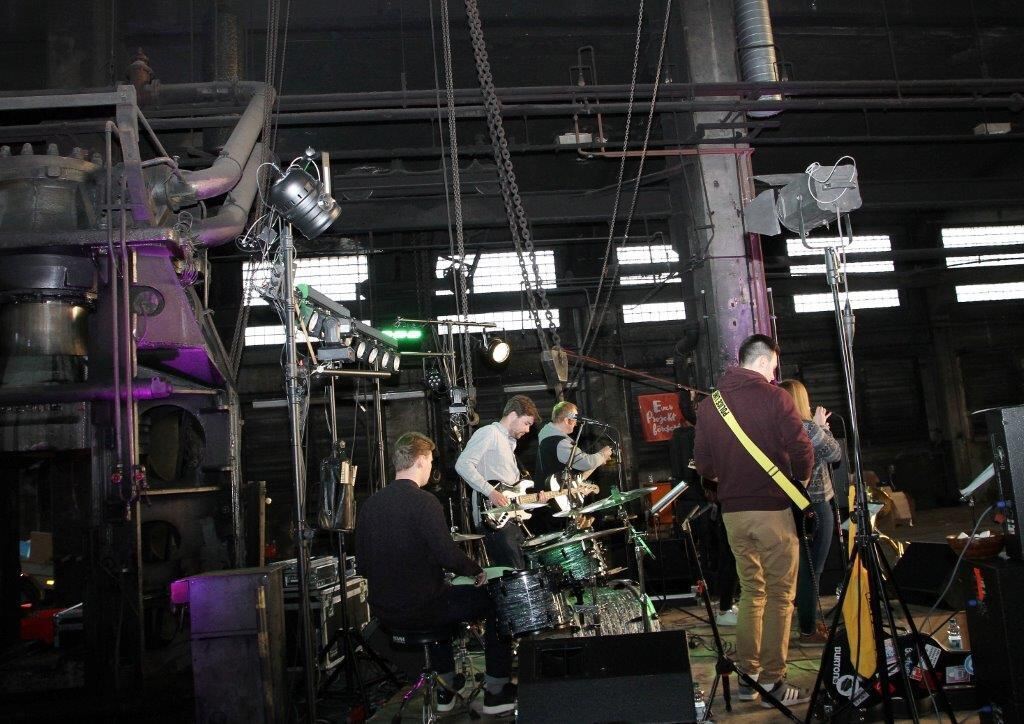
(428, 679)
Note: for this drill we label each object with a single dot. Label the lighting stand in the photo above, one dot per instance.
(723, 665)
(890, 660)
(302, 533)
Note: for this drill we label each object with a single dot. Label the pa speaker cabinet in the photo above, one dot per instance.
(1006, 436)
(635, 678)
(237, 632)
(995, 590)
(922, 573)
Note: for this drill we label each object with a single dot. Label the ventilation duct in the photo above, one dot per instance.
(756, 48)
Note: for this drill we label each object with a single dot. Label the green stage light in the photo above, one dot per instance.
(404, 334)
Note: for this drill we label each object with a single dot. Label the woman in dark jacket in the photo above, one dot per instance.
(814, 552)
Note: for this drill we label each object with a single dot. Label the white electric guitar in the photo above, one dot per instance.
(517, 494)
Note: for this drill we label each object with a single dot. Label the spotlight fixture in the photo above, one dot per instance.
(804, 201)
(385, 359)
(396, 361)
(302, 201)
(496, 351)
(367, 352)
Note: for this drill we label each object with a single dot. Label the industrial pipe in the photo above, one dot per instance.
(154, 388)
(230, 220)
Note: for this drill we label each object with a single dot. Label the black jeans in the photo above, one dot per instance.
(465, 604)
(505, 546)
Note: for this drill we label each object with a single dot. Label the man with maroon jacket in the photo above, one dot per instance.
(756, 511)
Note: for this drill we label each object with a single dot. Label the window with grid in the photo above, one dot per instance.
(497, 272)
(269, 334)
(805, 303)
(858, 300)
(508, 321)
(975, 236)
(653, 312)
(651, 254)
(334, 276)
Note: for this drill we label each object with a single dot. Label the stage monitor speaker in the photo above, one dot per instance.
(995, 589)
(237, 646)
(636, 678)
(923, 572)
(1006, 436)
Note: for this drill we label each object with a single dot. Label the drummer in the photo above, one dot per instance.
(403, 548)
(554, 447)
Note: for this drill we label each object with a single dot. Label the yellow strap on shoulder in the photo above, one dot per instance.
(792, 491)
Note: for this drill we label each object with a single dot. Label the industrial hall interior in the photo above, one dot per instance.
(455, 360)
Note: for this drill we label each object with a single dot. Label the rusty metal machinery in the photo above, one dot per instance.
(117, 400)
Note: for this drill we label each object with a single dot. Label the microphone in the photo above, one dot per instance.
(589, 420)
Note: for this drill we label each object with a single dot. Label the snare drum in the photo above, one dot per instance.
(580, 561)
(528, 602)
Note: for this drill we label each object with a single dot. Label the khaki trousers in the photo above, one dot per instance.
(767, 560)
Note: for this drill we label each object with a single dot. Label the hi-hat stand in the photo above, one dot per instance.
(890, 657)
(724, 666)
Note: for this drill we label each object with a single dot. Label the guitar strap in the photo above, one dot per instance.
(794, 492)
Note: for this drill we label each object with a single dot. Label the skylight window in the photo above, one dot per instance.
(795, 247)
(651, 254)
(498, 272)
(508, 321)
(334, 276)
(975, 236)
(654, 312)
(804, 303)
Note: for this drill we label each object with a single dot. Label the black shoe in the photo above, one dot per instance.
(502, 702)
(446, 697)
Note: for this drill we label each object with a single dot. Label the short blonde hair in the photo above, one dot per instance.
(798, 392)
(410, 446)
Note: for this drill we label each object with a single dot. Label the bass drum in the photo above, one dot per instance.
(612, 611)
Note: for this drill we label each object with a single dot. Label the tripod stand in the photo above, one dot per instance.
(876, 652)
(723, 665)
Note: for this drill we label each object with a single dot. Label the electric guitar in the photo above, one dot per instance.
(517, 493)
(571, 486)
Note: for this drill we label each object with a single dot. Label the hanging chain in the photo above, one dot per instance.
(462, 291)
(517, 222)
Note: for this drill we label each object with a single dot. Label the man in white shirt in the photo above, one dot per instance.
(490, 456)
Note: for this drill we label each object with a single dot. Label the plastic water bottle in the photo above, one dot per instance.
(956, 641)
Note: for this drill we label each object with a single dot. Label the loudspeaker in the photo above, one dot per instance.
(636, 678)
(1006, 436)
(924, 571)
(995, 590)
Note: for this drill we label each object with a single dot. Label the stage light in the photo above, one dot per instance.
(498, 351)
(385, 359)
(367, 351)
(803, 201)
(303, 203)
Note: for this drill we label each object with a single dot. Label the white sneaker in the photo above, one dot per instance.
(787, 695)
(744, 692)
(726, 618)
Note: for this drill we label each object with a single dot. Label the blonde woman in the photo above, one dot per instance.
(821, 492)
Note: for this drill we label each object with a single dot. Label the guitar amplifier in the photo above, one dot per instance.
(1006, 437)
(323, 571)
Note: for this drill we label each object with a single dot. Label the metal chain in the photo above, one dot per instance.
(517, 222)
(462, 291)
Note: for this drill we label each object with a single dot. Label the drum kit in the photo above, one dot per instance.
(568, 588)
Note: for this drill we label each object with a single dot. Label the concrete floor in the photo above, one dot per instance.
(803, 660)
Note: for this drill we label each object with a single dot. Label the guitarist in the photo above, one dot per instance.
(756, 509)
(554, 445)
(490, 455)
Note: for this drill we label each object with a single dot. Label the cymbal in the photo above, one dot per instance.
(616, 499)
(541, 540)
(579, 537)
(571, 513)
(513, 506)
(463, 537)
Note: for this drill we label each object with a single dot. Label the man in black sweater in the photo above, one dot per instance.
(403, 548)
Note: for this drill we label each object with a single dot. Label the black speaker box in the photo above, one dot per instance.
(632, 678)
(995, 590)
(923, 572)
(1006, 436)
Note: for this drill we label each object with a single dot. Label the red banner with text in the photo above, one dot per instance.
(659, 415)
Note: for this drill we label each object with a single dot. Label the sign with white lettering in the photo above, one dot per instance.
(659, 415)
